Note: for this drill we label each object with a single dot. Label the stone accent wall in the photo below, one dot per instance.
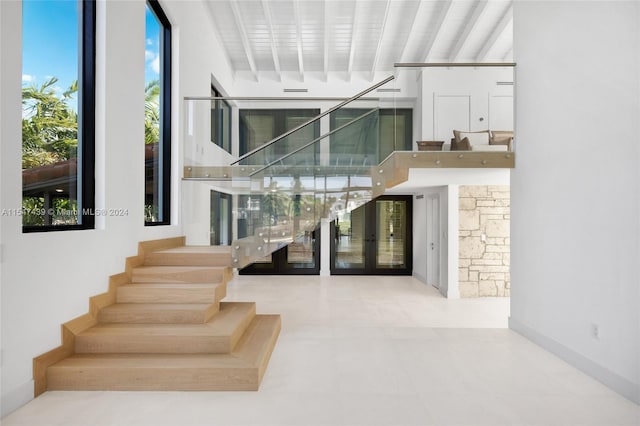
(484, 241)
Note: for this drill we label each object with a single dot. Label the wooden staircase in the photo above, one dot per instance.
(162, 326)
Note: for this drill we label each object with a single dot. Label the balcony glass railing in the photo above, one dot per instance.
(304, 160)
(297, 160)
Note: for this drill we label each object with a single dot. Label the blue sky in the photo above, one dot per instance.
(50, 43)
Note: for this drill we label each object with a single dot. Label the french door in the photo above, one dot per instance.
(374, 239)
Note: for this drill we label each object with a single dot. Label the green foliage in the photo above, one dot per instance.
(49, 125)
(152, 112)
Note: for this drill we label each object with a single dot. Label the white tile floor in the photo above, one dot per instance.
(368, 351)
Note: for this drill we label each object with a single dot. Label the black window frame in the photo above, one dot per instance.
(86, 124)
(404, 144)
(217, 121)
(279, 116)
(165, 115)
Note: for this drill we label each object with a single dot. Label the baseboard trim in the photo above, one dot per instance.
(419, 277)
(619, 384)
(16, 398)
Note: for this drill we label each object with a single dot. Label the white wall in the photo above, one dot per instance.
(47, 278)
(477, 83)
(576, 187)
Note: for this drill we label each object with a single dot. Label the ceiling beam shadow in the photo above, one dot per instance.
(469, 26)
(244, 38)
(274, 48)
(352, 48)
(376, 57)
(497, 31)
(442, 17)
(296, 18)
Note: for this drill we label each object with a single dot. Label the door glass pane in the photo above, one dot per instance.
(350, 247)
(391, 234)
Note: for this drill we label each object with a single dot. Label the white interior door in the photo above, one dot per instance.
(433, 240)
(450, 113)
(501, 112)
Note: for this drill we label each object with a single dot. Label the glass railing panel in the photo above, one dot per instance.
(284, 187)
(476, 99)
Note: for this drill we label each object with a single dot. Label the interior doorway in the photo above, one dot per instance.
(374, 239)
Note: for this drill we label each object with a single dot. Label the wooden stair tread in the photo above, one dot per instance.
(191, 256)
(150, 361)
(158, 313)
(258, 340)
(171, 292)
(169, 269)
(241, 370)
(157, 307)
(197, 250)
(177, 286)
(222, 324)
(218, 335)
(181, 273)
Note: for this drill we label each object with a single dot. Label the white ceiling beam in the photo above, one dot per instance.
(352, 49)
(442, 17)
(469, 26)
(376, 57)
(274, 48)
(326, 40)
(497, 31)
(216, 30)
(244, 37)
(411, 30)
(296, 18)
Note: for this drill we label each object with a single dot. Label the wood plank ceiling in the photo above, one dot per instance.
(303, 37)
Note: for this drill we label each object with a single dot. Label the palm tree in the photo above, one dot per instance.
(49, 125)
(152, 112)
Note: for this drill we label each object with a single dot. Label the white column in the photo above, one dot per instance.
(452, 250)
(325, 247)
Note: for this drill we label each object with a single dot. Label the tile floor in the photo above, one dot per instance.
(368, 351)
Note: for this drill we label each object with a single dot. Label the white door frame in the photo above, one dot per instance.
(433, 240)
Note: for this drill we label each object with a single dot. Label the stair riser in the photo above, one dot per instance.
(153, 379)
(158, 316)
(212, 275)
(130, 294)
(187, 259)
(153, 344)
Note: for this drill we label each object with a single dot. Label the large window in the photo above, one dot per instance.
(157, 124)
(58, 114)
(258, 126)
(220, 121)
(369, 141)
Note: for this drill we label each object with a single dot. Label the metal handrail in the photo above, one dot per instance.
(327, 112)
(452, 64)
(313, 142)
(271, 98)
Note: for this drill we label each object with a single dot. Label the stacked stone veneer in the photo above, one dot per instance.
(484, 241)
